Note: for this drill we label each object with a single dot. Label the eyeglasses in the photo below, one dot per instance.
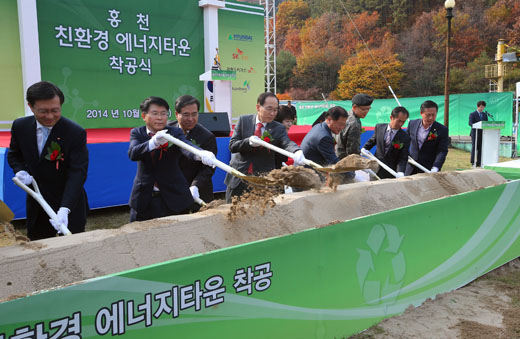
(189, 115)
(271, 109)
(158, 114)
(47, 111)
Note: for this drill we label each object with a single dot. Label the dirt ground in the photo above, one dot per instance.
(488, 307)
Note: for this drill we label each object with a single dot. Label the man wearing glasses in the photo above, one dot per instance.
(53, 150)
(160, 188)
(248, 156)
(197, 174)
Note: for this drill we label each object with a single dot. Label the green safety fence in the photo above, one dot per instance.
(325, 282)
(461, 105)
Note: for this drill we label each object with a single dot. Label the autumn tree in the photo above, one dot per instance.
(290, 15)
(360, 74)
(423, 66)
(366, 23)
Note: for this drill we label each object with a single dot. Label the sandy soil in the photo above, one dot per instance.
(488, 307)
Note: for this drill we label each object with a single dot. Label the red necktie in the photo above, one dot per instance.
(258, 130)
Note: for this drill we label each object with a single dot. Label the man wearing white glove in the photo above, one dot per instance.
(429, 140)
(24, 177)
(51, 150)
(160, 188)
(63, 219)
(248, 157)
(197, 174)
(392, 144)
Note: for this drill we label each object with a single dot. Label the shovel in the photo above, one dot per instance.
(252, 179)
(419, 166)
(308, 162)
(382, 164)
(39, 198)
(6, 214)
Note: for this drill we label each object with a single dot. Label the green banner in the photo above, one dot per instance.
(241, 49)
(11, 85)
(108, 56)
(500, 105)
(326, 282)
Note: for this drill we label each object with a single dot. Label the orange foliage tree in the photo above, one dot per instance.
(359, 74)
(291, 14)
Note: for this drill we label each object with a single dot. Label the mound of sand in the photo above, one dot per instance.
(83, 256)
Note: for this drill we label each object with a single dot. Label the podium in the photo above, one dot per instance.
(490, 141)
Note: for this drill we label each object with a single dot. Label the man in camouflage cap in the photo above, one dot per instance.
(349, 139)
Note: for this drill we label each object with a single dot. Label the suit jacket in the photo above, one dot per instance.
(62, 186)
(262, 159)
(195, 172)
(433, 152)
(318, 145)
(395, 158)
(349, 139)
(164, 172)
(473, 118)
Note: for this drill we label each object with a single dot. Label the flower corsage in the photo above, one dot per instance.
(54, 154)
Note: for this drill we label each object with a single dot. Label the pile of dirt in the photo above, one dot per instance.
(9, 236)
(252, 203)
(353, 162)
(212, 204)
(296, 176)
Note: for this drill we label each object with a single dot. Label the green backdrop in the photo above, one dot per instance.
(11, 85)
(241, 44)
(107, 63)
(461, 105)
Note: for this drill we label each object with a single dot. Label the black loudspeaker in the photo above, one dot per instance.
(218, 123)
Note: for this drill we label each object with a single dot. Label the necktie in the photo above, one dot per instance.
(480, 113)
(258, 130)
(45, 135)
(388, 140)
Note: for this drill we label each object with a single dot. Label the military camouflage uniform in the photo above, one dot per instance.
(349, 139)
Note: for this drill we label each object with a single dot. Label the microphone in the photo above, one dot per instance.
(489, 115)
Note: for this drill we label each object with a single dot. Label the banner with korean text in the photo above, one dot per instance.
(326, 282)
(108, 56)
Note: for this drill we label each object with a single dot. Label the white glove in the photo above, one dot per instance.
(363, 150)
(253, 141)
(299, 158)
(158, 139)
(207, 158)
(434, 169)
(399, 175)
(361, 176)
(63, 219)
(24, 177)
(194, 192)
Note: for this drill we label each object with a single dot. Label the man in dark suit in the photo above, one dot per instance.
(318, 144)
(196, 173)
(429, 140)
(478, 115)
(392, 143)
(160, 189)
(247, 156)
(53, 150)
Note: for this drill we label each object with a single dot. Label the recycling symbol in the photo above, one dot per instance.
(381, 267)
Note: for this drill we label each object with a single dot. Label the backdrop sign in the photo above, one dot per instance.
(500, 105)
(108, 56)
(325, 282)
(241, 49)
(11, 85)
